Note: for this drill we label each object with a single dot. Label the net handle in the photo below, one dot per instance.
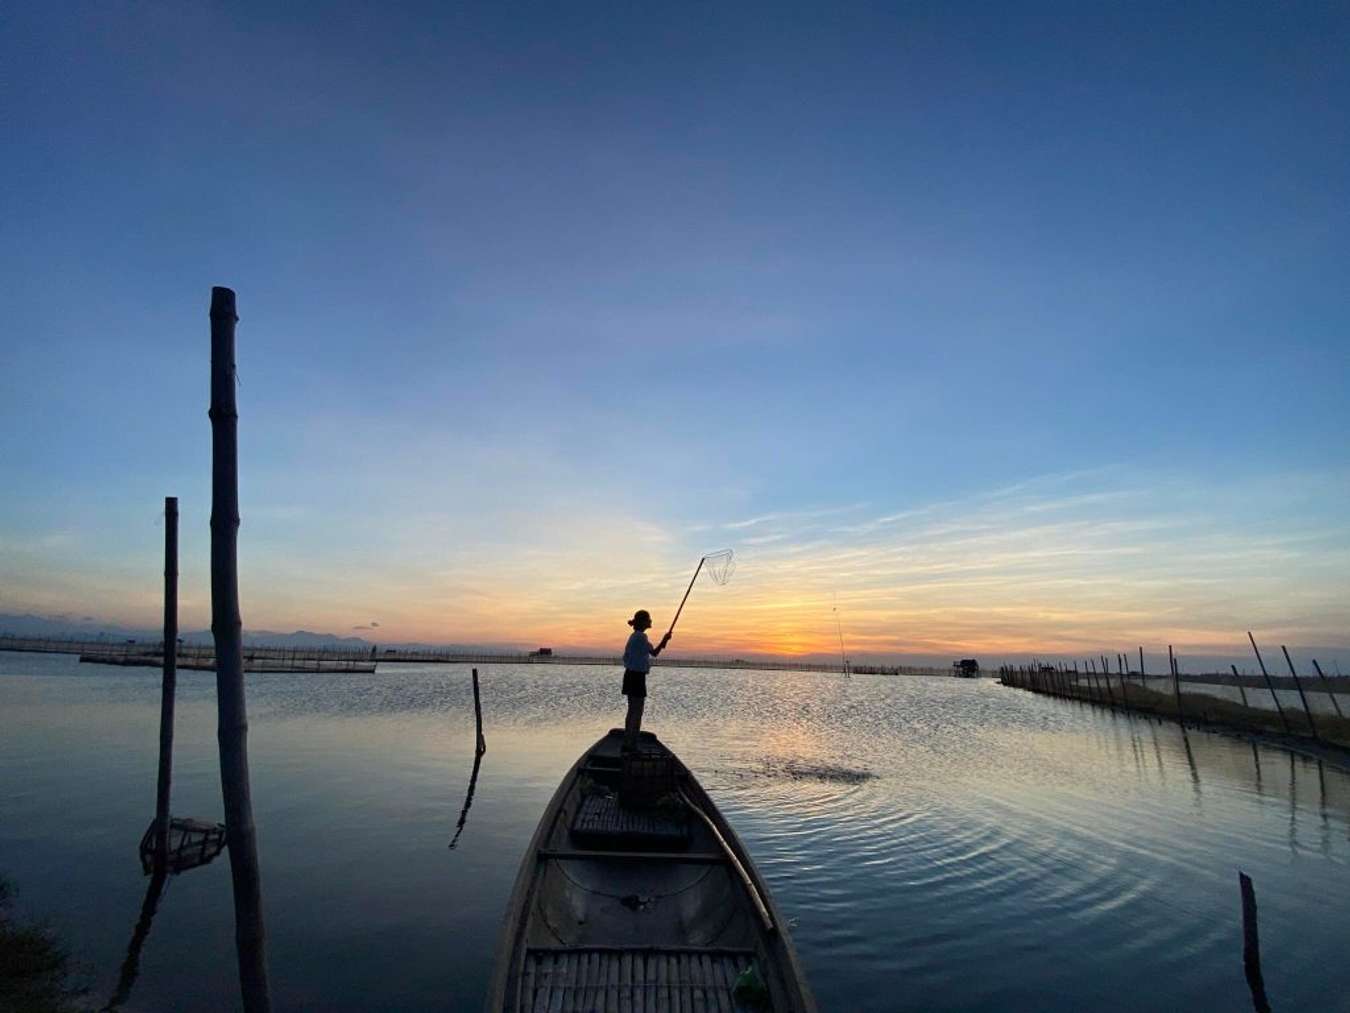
(697, 570)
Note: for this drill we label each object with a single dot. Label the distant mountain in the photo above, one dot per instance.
(65, 626)
(269, 638)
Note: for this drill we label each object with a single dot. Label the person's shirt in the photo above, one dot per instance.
(637, 656)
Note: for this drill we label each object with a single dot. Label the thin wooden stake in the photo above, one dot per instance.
(1176, 682)
(1301, 695)
(1330, 691)
(478, 715)
(168, 686)
(1269, 685)
(1141, 666)
(1239, 685)
(227, 631)
(1251, 946)
(1106, 677)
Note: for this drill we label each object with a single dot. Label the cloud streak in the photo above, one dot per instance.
(1071, 563)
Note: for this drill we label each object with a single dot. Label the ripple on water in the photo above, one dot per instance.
(938, 844)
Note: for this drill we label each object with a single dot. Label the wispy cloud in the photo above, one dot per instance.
(1081, 561)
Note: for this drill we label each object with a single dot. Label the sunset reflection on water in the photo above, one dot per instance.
(937, 843)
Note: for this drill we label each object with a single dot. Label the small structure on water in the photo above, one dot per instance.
(191, 843)
(966, 668)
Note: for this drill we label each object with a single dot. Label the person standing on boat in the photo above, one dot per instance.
(637, 662)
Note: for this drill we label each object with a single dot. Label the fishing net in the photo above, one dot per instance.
(719, 566)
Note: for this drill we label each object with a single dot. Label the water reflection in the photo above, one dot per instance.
(468, 798)
(131, 965)
(1002, 844)
(1190, 762)
(187, 851)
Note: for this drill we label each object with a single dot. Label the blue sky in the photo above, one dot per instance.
(538, 304)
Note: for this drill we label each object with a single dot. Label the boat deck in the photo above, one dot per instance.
(637, 979)
(636, 897)
(602, 821)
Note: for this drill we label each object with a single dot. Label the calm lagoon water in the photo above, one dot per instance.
(1007, 851)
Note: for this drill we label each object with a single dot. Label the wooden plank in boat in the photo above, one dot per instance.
(629, 979)
(601, 820)
(590, 855)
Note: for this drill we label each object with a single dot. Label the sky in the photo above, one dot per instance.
(971, 329)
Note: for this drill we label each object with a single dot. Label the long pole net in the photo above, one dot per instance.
(718, 566)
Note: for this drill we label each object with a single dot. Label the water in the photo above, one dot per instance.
(938, 844)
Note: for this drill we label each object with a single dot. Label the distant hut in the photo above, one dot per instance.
(966, 668)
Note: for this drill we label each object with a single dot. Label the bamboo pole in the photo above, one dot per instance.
(1326, 683)
(168, 686)
(1269, 685)
(1106, 677)
(1142, 673)
(1301, 695)
(1239, 684)
(227, 631)
(478, 715)
(1176, 682)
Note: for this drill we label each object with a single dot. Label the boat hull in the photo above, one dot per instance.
(636, 894)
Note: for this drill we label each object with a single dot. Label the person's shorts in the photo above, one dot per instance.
(634, 683)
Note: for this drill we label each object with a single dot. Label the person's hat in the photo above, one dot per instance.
(640, 614)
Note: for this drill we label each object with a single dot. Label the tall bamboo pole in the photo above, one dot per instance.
(1269, 685)
(1301, 695)
(1239, 684)
(1327, 686)
(169, 684)
(1176, 682)
(227, 631)
(1106, 678)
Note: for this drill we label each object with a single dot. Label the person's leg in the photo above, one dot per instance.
(632, 724)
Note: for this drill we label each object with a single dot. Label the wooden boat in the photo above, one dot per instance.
(636, 896)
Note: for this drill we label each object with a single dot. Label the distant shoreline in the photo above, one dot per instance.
(134, 653)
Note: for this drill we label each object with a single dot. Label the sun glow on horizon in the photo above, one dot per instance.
(1061, 565)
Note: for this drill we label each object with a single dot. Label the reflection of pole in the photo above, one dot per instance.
(167, 689)
(1251, 946)
(131, 966)
(1301, 695)
(227, 631)
(468, 799)
(1269, 685)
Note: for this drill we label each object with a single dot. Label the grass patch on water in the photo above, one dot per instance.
(35, 970)
(806, 770)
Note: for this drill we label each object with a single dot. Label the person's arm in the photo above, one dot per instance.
(661, 646)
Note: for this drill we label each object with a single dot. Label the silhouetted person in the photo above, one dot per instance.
(637, 662)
